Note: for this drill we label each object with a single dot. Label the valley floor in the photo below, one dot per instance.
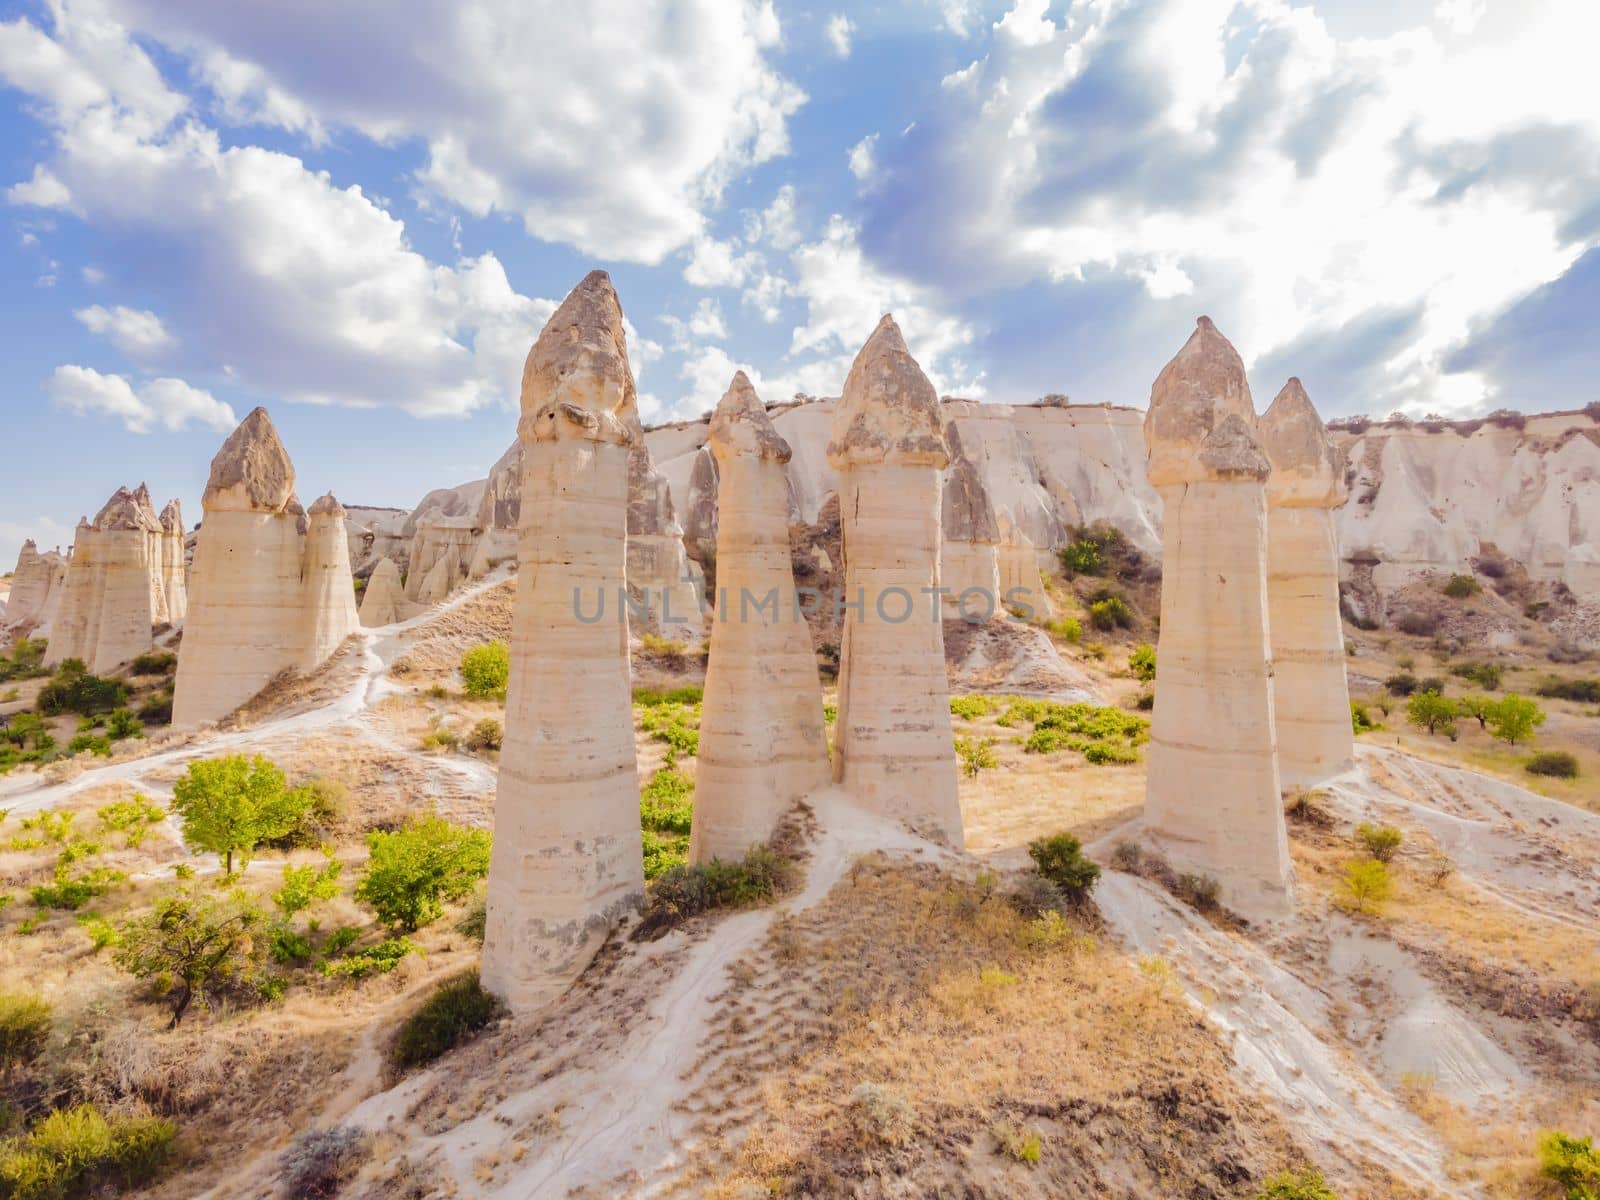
(894, 1027)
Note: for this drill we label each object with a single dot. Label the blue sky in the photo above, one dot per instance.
(360, 213)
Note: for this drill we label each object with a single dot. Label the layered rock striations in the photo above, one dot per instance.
(113, 595)
(1311, 697)
(1021, 581)
(1213, 801)
(265, 591)
(174, 567)
(893, 748)
(762, 745)
(567, 860)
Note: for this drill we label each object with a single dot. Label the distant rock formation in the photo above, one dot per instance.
(115, 589)
(1021, 581)
(762, 745)
(37, 584)
(1311, 697)
(1212, 800)
(174, 571)
(384, 601)
(969, 562)
(893, 744)
(567, 862)
(271, 588)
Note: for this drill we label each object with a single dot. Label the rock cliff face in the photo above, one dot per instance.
(1423, 498)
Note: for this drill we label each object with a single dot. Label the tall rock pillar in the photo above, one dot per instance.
(1310, 694)
(113, 581)
(893, 747)
(1213, 801)
(245, 621)
(330, 593)
(173, 569)
(762, 745)
(568, 861)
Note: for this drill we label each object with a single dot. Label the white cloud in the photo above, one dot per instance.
(960, 17)
(307, 291)
(714, 263)
(707, 321)
(171, 403)
(611, 126)
(43, 190)
(93, 276)
(838, 29)
(137, 332)
(778, 223)
(845, 296)
(1238, 153)
(862, 158)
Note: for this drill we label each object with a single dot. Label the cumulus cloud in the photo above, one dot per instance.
(862, 158)
(1239, 155)
(170, 403)
(302, 289)
(838, 30)
(137, 332)
(609, 125)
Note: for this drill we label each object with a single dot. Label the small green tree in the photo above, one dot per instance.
(303, 886)
(1513, 718)
(976, 754)
(1060, 859)
(1431, 711)
(1142, 662)
(1573, 1163)
(486, 669)
(231, 805)
(192, 946)
(1367, 885)
(1476, 707)
(1381, 841)
(414, 869)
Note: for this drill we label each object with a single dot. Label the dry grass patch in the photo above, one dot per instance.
(915, 1003)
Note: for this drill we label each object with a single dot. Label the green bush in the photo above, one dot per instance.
(445, 1019)
(24, 660)
(231, 805)
(70, 893)
(318, 823)
(1401, 684)
(1462, 586)
(1069, 628)
(73, 689)
(157, 710)
(1583, 691)
(90, 743)
(1485, 675)
(1307, 1184)
(1102, 753)
(1110, 613)
(1381, 841)
(666, 802)
(165, 663)
(304, 886)
(1142, 662)
(1059, 858)
(685, 891)
(374, 960)
(970, 708)
(689, 695)
(663, 852)
(1361, 718)
(123, 724)
(1081, 557)
(412, 871)
(485, 670)
(1571, 1162)
(1556, 763)
(487, 734)
(24, 1025)
(76, 1152)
